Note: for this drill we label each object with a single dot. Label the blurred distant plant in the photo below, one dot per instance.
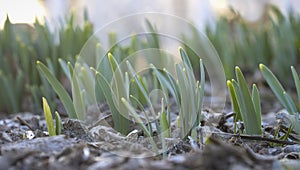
(284, 98)
(274, 40)
(246, 106)
(21, 46)
(237, 42)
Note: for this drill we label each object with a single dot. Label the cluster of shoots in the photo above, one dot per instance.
(247, 106)
(129, 96)
(130, 93)
(126, 103)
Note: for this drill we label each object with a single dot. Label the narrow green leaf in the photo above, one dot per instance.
(65, 68)
(87, 82)
(185, 58)
(297, 84)
(164, 125)
(174, 86)
(136, 117)
(48, 117)
(79, 105)
(234, 102)
(184, 112)
(144, 111)
(104, 68)
(140, 122)
(112, 61)
(121, 123)
(165, 130)
(59, 89)
(120, 86)
(143, 91)
(201, 88)
(275, 85)
(252, 125)
(166, 94)
(71, 69)
(290, 103)
(58, 122)
(256, 102)
(165, 82)
(189, 74)
(126, 85)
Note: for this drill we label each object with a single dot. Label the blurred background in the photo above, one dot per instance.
(100, 12)
(243, 33)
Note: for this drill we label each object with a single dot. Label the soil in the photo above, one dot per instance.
(25, 144)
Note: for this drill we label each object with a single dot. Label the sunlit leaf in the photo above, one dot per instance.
(48, 117)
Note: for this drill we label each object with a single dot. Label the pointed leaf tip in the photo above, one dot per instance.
(109, 55)
(123, 99)
(261, 66)
(228, 82)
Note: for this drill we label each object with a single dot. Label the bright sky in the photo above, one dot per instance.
(21, 11)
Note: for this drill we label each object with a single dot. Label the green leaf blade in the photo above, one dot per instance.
(297, 84)
(59, 89)
(58, 122)
(252, 125)
(275, 85)
(48, 117)
(234, 102)
(121, 123)
(256, 102)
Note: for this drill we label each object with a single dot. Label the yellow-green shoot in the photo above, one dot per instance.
(49, 120)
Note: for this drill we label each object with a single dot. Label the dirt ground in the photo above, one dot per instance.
(26, 145)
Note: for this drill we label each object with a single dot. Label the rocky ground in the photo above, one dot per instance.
(26, 145)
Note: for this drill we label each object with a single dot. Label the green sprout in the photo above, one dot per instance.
(59, 89)
(283, 97)
(246, 106)
(121, 121)
(49, 120)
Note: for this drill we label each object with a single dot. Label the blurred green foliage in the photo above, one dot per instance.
(274, 41)
(21, 46)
